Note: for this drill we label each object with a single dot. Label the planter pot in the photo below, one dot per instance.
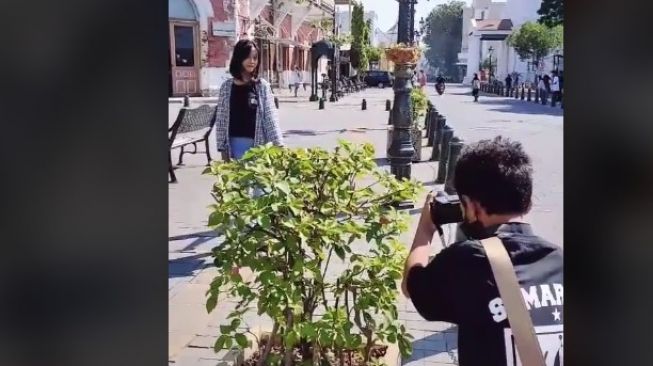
(403, 55)
(392, 355)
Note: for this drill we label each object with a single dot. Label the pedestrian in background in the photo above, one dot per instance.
(508, 83)
(297, 78)
(541, 86)
(476, 86)
(422, 79)
(245, 113)
(555, 88)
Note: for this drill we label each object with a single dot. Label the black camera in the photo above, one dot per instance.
(446, 209)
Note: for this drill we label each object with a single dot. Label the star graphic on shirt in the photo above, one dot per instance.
(556, 315)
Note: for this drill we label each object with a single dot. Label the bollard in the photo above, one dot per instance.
(523, 91)
(543, 99)
(537, 95)
(528, 98)
(510, 92)
(276, 102)
(430, 122)
(440, 122)
(364, 105)
(516, 92)
(387, 105)
(186, 101)
(553, 100)
(455, 148)
(321, 104)
(390, 117)
(447, 134)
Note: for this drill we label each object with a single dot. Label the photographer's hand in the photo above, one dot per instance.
(419, 252)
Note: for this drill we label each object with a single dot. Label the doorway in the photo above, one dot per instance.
(184, 58)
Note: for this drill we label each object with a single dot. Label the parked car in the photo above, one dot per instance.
(379, 78)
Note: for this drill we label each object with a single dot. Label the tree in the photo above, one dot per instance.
(317, 208)
(374, 54)
(551, 13)
(444, 35)
(534, 40)
(360, 33)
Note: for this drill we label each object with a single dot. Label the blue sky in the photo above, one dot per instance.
(387, 10)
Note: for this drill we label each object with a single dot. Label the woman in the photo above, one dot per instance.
(245, 114)
(543, 90)
(422, 79)
(476, 86)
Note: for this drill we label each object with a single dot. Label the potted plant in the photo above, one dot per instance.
(419, 104)
(403, 54)
(322, 242)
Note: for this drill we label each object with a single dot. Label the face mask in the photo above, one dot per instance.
(474, 230)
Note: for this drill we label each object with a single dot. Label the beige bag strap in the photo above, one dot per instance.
(521, 324)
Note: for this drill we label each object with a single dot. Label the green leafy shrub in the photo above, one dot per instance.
(419, 103)
(314, 206)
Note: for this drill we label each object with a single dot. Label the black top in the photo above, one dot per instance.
(547, 82)
(242, 112)
(458, 287)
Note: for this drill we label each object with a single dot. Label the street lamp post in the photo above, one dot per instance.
(401, 149)
(335, 62)
(490, 51)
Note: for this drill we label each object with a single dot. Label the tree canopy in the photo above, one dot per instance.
(443, 35)
(360, 33)
(534, 40)
(551, 13)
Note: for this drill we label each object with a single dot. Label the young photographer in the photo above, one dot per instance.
(493, 179)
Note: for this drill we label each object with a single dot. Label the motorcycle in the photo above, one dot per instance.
(439, 87)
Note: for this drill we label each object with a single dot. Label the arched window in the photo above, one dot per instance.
(181, 9)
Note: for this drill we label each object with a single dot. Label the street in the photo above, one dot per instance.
(192, 331)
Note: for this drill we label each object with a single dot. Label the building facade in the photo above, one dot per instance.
(203, 33)
(343, 20)
(485, 30)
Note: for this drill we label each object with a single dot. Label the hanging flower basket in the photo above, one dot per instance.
(401, 54)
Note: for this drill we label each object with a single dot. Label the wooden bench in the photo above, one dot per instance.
(192, 125)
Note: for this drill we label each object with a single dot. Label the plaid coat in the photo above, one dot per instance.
(267, 120)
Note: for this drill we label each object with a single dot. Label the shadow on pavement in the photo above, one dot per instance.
(433, 344)
(311, 132)
(186, 266)
(521, 107)
(196, 243)
(209, 234)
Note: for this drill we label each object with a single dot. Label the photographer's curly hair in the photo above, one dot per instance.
(498, 174)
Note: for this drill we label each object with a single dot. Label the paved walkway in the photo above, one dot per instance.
(192, 331)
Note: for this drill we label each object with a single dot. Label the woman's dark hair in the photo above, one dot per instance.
(475, 76)
(241, 52)
(498, 174)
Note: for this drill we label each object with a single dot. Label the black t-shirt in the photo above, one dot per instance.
(547, 82)
(242, 117)
(458, 287)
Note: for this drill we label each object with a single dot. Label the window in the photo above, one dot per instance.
(184, 46)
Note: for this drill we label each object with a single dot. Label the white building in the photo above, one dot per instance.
(488, 23)
(344, 24)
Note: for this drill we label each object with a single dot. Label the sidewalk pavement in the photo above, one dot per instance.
(285, 95)
(192, 332)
